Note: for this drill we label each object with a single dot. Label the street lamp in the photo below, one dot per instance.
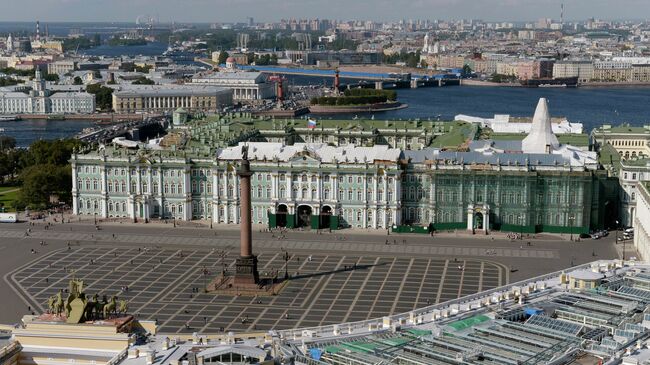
(95, 218)
(571, 219)
(521, 227)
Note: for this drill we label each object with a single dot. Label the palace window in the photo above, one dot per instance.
(313, 178)
(268, 193)
(304, 194)
(155, 188)
(380, 195)
(326, 194)
(110, 186)
(144, 188)
(123, 187)
(283, 193)
(359, 195)
(350, 195)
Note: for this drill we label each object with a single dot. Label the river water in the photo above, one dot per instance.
(590, 106)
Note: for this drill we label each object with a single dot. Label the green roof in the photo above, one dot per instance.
(457, 136)
(468, 322)
(578, 140)
(609, 156)
(418, 332)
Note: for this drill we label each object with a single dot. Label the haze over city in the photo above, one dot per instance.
(270, 10)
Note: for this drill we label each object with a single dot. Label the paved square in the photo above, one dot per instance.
(330, 288)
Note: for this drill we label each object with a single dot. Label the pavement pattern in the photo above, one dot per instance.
(326, 288)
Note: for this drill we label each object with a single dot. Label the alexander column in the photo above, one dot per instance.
(246, 271)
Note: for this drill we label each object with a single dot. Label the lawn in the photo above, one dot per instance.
(8, 197)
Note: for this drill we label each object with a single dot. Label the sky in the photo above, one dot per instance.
(273, 10)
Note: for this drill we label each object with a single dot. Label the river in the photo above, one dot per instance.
(590, 106)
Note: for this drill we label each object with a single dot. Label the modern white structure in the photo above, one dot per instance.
(501, 123)
(541, 138)
(245, 85)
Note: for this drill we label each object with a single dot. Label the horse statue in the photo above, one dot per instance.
(57, 304)
(122, 306)
(110, 307)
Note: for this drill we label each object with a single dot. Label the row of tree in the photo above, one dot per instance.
(348, 100)
(390, 94)
(42, 171)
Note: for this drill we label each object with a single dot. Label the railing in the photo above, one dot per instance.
(364, 326)
(9, 351)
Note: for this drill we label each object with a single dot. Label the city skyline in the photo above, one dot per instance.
(273, 10)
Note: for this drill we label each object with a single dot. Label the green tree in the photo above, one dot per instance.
(40, 182)
(223, 56)
(103, 95)
(7, 143)
(143, 81)
(78, 81)
(467, 70)
(51, 77)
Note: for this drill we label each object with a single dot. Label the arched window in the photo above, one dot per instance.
(380, 195)
(350, 195)
(110, 187)
(123, 186)
(194, 186)
(359, 195)
(230, 191)
(88, 184)
(155, 188)
(110, 206)
(313, 194)
(326, 194)
(283, 193)
(133, 187)
(268, 193)
(259, 191)
(304, 194)
(145, 188)
(166, 188)
(209, 188)
(202, 187)
(294, 194)
(173, 187)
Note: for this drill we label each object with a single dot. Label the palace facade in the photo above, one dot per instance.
(529, 186)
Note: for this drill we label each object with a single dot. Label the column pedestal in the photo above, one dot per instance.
(246, 271)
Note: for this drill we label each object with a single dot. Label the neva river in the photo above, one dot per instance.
(591, 106)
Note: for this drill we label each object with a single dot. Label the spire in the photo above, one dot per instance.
(541, 138)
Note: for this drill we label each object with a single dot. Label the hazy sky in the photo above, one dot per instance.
(271, 10)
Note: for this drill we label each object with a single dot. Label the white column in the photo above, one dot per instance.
(470, 219)
(104, 201)
(75, 192)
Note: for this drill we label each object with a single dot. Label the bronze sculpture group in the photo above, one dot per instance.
(79, 308)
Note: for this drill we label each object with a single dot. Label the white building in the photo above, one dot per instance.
(501, 124)
(244, 85)
(642, 222)
(40, 100)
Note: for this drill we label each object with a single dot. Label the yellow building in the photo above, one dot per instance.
(158, 98)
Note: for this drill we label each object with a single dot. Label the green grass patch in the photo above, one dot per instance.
(8, 197)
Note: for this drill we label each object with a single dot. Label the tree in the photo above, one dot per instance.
(78, 81)
(143, 81)
(103, 95)
(40, 182)
(223, 56)
(51, 77)
(467, 70)
(7, 143)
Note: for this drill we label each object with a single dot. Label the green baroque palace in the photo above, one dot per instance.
(360, 174)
